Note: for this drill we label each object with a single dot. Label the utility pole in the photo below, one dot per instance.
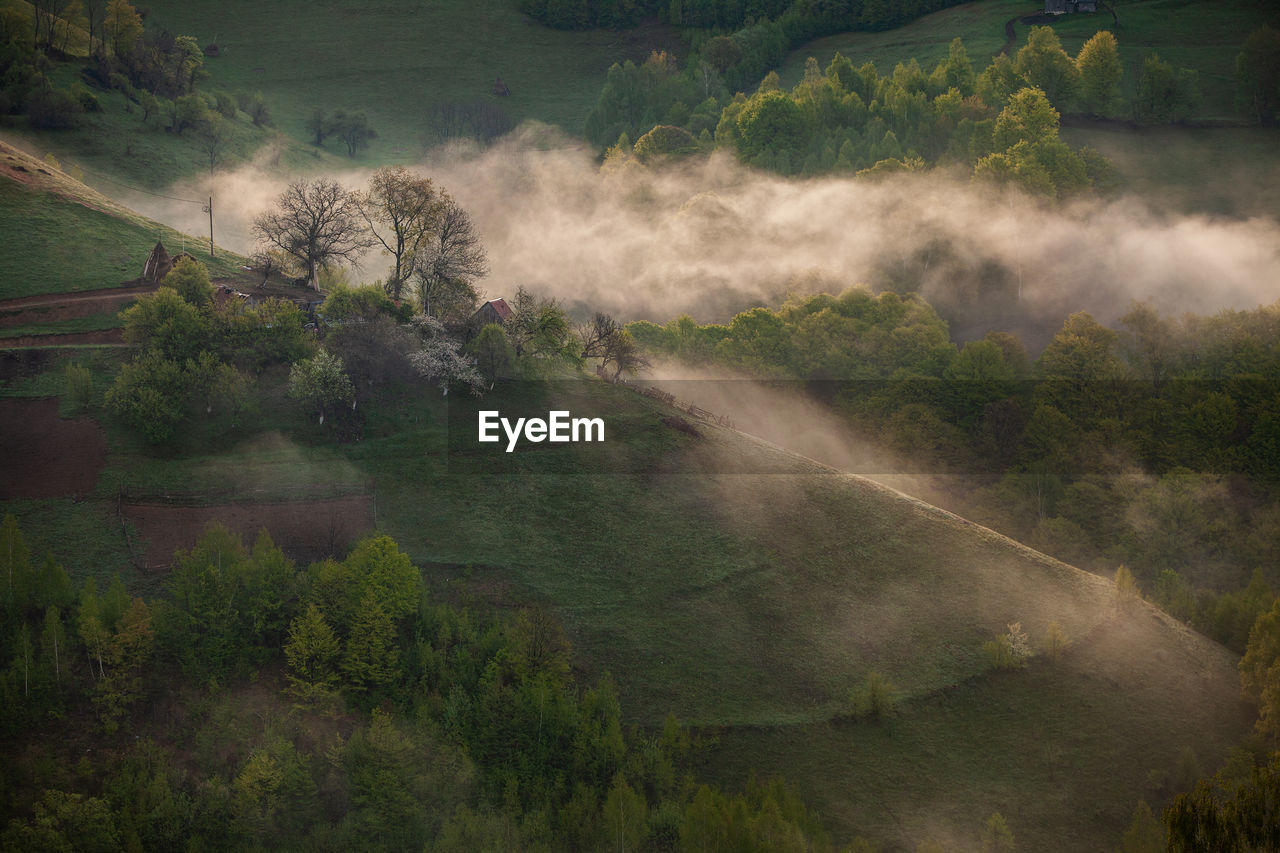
(209, 210)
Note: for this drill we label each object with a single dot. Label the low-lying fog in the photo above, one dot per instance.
(710, 238)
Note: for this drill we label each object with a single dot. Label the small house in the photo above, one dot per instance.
(493, 311)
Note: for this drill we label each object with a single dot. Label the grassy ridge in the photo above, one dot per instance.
(395, 59)
(1063, 751)
(69, 238)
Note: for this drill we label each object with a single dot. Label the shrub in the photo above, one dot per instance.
(79, 386)
(52, 109)
(225, 105)
(875, 699)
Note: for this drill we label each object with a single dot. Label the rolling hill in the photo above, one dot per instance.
(744, 588)
(749, 590)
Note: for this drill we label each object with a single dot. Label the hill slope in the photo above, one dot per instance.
(748, 589)
(395, 60)
(63, 236)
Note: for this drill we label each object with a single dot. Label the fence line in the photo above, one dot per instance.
(668, 398)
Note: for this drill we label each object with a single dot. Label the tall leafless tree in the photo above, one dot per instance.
(452, 259)
(316, 223)
(402, 210)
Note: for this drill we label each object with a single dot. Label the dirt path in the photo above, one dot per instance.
(1010, 36)
(55, 307)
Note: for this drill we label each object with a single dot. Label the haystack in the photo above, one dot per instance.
(158, 264)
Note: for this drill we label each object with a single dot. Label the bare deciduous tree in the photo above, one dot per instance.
(605, 339)
(452, 256)
(315, 223)
(402, 210)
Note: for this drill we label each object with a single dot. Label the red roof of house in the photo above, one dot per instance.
(501, 308)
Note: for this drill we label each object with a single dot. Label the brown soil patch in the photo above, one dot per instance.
(104, 336)
(305, 530)
(44, 455)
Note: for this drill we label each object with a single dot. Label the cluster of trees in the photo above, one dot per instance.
(431, 240)
(800, 21)
(856, 335)
(459, 730)
(1258, 72)
(1154, 447)
(1003, 121)
(370, 342)
(194, 355)
(1234, 808)
(352, 129)
(60, 647)
(122, 54)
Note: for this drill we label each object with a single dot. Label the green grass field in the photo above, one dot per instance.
(65, 237)
(395, 59)
(62, 327)
(927, 40)
(747, 590)
(739, 586)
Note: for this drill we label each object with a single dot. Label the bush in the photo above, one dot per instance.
(225, 105)
(875, 699)
(190, 279)
(79, 386)
(53, 109)
(87, 100)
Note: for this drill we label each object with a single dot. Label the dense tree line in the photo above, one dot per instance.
(802, 20)
(401, 721)
(1001, 121)
(1154, 446)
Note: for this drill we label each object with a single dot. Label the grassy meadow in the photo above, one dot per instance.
(395, 59)
(73, 238)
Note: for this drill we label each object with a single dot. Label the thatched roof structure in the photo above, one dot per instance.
(158, 264)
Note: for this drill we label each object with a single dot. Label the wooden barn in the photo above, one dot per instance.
(493, 311)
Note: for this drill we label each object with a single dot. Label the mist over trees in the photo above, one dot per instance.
(855, 120)
(1150, 446)
(316, 223)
